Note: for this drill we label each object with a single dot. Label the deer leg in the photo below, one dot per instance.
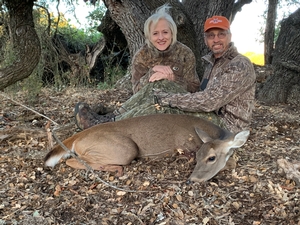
(95, 166)
(113, 168)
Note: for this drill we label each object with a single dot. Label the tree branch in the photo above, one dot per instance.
(237, 7)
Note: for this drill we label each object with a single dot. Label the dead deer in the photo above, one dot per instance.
(110, 145)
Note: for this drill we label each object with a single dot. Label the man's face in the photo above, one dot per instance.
(161, 35)
(217, 40)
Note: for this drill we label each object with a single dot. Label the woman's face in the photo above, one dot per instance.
(161, 35)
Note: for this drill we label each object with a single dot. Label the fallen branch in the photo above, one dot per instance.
(49, 135)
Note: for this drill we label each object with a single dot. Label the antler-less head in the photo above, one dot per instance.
(213, 154)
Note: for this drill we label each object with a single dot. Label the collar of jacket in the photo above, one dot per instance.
(167, 52)
(227, 54)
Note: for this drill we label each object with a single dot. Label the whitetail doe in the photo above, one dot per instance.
(110, 145)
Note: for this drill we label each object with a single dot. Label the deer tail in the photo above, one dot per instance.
(53, 157)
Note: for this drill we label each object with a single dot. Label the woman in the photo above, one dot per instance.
(163, 57)
(163, 62)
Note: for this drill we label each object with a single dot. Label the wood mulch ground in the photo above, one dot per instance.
(257, 192)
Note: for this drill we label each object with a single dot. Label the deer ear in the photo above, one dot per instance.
(203, 135)
(240, 139)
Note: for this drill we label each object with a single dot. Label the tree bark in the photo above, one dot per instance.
(270, 31)
(284, 85)
(25, 41)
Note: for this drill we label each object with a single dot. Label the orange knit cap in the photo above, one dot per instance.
(217, 22)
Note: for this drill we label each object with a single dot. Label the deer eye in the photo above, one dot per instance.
(211, 159)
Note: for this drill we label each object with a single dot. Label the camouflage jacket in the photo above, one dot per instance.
(178, 56)
(229, 90)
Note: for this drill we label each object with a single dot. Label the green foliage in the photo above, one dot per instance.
(112, 71)
(8, 56)
(79, 38)
(53, 63)
(32, 85)
(111, 75)
(96, 15)
(51, 60)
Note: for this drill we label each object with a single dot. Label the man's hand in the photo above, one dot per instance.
(160, 97)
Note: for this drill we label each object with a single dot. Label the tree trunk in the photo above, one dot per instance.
(284, 85)
(25, 41)
(270, 31)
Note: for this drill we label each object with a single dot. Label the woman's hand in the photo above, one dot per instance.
(162, 69)
(161, 73)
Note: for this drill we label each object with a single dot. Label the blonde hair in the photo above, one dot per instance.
(160, 13)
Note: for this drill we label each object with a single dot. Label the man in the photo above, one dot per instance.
(227, 90)
(228, 84)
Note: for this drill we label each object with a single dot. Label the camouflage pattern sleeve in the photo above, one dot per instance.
(236, 78)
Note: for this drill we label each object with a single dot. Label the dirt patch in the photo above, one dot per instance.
(256, 192)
